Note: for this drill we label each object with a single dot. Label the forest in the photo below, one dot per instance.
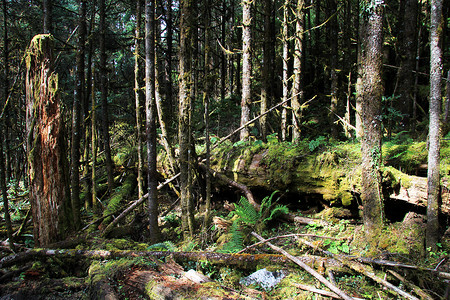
(234, 149)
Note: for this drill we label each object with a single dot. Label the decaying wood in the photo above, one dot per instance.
(241, 260)
(364, 269)
(249, 195)
(318, 291)
(307, 268)
(242, 187)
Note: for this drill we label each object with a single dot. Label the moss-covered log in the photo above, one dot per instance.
(334, 173)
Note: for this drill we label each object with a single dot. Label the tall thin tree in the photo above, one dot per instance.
(47, 8)
(184, 123)
(76, 112)
(372, 12)
(137, 96)
(150, 120)
(104, 97)
(246, 66)
(433, 191)
(297, 88)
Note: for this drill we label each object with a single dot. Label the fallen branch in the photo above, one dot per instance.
(307, 268)
(133, 206)
(416, 289)
(248, 194)
(287, 236)
(318, 291)
(363, 269)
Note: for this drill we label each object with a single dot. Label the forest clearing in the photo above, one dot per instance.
(173, 149)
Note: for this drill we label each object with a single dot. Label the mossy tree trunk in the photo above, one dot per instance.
(150, 119)
(372, 92)
(246, 67)
(184, 121)
(436, 22)
(49, 195)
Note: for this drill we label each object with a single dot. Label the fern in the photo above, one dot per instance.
(164, 246)
(236, 242)
(247, 212)
(276, 211)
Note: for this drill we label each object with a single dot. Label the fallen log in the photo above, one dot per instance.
(307, 268)
(239, 260)
(249, 195)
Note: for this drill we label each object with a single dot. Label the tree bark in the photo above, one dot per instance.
(184, 124)
(46, 153)
(297, 89)
(47, 8)
(436, 27)
(246, 67)
(3, 172)
(137, 97)
(372, 91)
(76, 112)
(267, 68)
(104, 98)
(150, 120)
(285, 36)
(333, 41)
(407, 55)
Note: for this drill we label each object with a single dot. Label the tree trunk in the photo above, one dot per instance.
(436, 27)
(184, 127)
(76, 112)
(267, 68)
(297, 89)
(3, 173)
(150, 119)
(285, 35)
(104, 98)
(47, 9)
(46, 153)
(206, 96)
(362, 36)
(372, 92)
(246, 67)
(407, 54)
(137, 97)
(333, 41)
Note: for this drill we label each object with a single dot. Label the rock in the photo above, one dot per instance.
(267, 280)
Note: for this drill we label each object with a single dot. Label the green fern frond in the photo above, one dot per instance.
(247, 212)
(164, 246)
(277, 211)
(236, 242)
(190, 246)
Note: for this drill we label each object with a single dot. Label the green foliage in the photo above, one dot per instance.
(247, 212)
(164, 246)
(236, 242)
(336, 247)
(314, 144)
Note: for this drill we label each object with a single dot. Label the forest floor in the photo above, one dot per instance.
(213, 263)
